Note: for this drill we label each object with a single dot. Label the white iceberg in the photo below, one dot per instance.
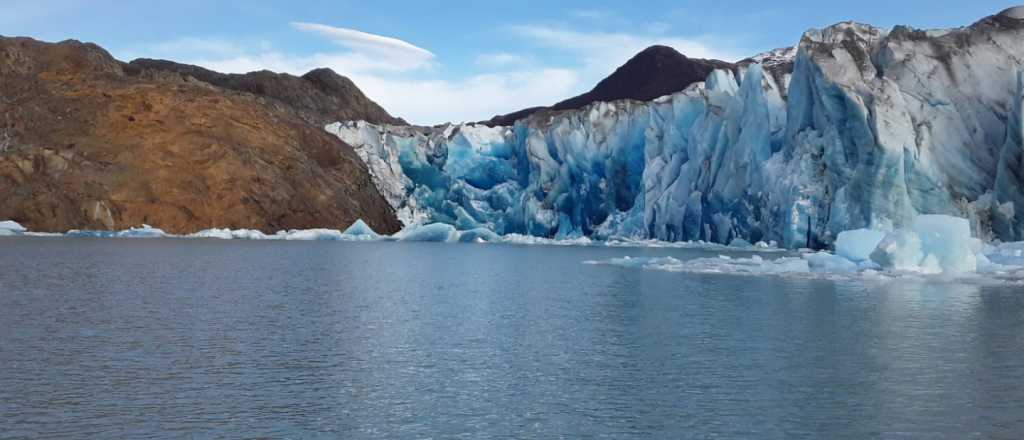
(857, 245)
(899, 250)
(361, 231)
(9, 227)
(754, 265)
(479, 235)
(948, 240)
(146, 231)
(824, 262)
(309, 235)
(434, 232)
(229, 234)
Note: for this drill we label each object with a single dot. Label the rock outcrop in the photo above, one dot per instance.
(86, 143)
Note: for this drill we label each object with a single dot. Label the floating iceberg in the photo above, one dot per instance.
(754, 265)
(145, 231)
(521, 239)
(310, 235)
(230, 234)
(479, 235)
(899, 250)
(857, 245)
(434, 232)
(8, 227)
(948, 240)
(361, 231)
(824, 262)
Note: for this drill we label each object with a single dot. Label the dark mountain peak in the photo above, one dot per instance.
(323, 72)
(652, 73)
(330, 82)
(659, 50)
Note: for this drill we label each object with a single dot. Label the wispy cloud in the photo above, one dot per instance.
(502, 59)
(365, 42)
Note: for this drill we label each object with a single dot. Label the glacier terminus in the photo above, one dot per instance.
(855, 127)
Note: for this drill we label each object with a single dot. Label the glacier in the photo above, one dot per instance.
(855, 127)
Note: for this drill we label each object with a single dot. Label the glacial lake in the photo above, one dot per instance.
(176, 338)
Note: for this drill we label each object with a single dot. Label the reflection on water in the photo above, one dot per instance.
(174, 338)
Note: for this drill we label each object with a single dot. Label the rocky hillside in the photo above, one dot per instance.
(89, 142)
(656, 71)
(320, 96)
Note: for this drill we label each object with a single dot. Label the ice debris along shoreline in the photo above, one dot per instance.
(360, 231)
(936, 245)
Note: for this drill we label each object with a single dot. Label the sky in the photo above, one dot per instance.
(450, 61)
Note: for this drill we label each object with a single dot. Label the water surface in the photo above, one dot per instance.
(175, 338)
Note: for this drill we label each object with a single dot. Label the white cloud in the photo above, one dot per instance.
(473, 99)
(502, 59)
(363, 42)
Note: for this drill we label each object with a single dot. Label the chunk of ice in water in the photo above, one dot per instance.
(434, 232)
(310, 235)
(230, 234)
(8, 227)
(479, 235)
(857, 245)
(824, 262)
(899, 250)
(146, 231)
(362, 230)
(947, 239)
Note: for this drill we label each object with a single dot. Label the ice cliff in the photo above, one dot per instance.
(870, 129)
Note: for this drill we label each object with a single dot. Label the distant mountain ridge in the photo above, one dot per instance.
(320, 96)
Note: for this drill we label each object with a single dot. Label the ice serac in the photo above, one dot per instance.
(855, 128)
(1010, 177)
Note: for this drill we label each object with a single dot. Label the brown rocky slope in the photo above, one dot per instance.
(85, 145)
(320, 96)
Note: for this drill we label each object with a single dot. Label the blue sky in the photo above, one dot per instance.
(437, 61)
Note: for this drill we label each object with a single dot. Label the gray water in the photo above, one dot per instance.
(216, 339)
